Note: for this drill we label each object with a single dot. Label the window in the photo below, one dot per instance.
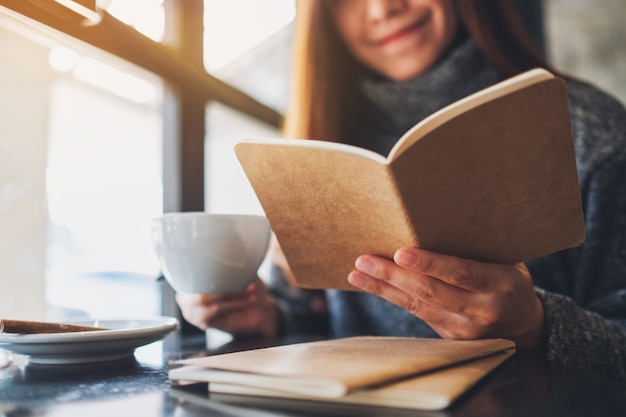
(81, 158)
(103, 184)
(264, 45)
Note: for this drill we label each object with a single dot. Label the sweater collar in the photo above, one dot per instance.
(393, 107)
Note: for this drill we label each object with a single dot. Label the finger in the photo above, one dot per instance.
(415, 286)
(462, 273)
(444, 321)
(206, 299)
(425, 297)
(448, 320)
(205, 315)
(433, 312)
(458, 327)
(226, 308)
(244, 321)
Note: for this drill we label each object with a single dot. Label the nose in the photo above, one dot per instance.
(382, 9)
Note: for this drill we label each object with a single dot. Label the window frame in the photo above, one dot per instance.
(188, 88)
(178, 61)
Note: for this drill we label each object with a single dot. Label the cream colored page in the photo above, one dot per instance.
(319, 145)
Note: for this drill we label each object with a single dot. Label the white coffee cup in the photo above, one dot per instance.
(210, 253)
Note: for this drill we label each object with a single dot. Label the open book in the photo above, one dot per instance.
(384, 371)
(491, 177)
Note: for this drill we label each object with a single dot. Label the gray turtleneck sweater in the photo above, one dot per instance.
(583, 290)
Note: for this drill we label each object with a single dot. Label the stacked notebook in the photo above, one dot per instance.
(395, 372)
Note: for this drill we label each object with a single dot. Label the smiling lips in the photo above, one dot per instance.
(404, 32)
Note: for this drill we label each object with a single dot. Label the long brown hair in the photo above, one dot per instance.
(325, 97)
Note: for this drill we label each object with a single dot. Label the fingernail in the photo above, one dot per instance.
(405, 258)
(364, 264)
(356, 279)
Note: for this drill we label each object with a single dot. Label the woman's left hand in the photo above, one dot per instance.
(458, 298)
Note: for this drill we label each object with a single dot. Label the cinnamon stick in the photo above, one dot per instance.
(35, 327)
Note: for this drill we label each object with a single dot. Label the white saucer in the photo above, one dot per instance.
(5, 359)
(120, 341)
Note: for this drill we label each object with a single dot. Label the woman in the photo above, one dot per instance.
(369, 70)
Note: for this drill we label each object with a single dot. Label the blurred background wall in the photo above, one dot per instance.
(587, 38)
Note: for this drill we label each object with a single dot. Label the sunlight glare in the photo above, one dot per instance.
(62, 59)
(146, 16)
(234, 27)
(115, 81)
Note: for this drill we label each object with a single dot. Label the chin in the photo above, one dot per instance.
(403, 74)
(411, 66)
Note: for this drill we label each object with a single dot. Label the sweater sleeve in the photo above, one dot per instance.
(585, 340)
(302, 312)
(583, 290)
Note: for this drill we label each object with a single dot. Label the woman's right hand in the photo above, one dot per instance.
(249, 313)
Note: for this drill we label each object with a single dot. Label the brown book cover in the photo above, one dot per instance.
(333, 368)
(491, 177)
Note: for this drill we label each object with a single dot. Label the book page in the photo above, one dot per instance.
(318, 145)
(457, 108)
